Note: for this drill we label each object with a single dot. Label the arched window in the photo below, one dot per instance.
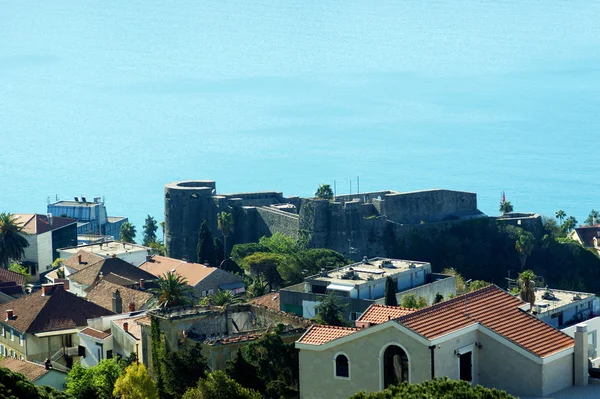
(342, 366)
(395, 366)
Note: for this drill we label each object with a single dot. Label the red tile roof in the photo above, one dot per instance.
(38, 224)
(495, 309)
(87, 258)
(587, 234)
(270, 301)
(30, 370)
(102, 293)
(377, 314)
(318, 334)
(92, 332)
(9, 276)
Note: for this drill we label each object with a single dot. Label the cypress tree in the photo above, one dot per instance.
(390, 292)
(206, 245)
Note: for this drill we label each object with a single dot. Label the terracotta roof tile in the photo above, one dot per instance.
(377, 314)
(38, 224)
(101, 294)
(30, 370)
(270, 301)
(134, 329)
(58, 310)
(87, 258)
(90, 274)
(193, 272)
(318, 334)
(92, 332)
(144, 320)
(9, 276)
(495, 309)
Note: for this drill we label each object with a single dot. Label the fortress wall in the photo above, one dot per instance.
(428, 206)
(258, 198)
(187, 204)
(278, 221)
(364, 197)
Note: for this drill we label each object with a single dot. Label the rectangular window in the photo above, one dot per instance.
(21, 340)
(12, 335)
(204, 293)
(210, 292)
(109, 354)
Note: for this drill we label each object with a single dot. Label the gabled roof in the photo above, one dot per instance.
(586, 234)
(90, 274)
(9, 276)
(270, 301)
(193, 272)
(37, 224)
(318, 334)
(377, 314)
(101, 294)
(87, 258)
(134, 329)
(32, 371)
(57, 310)
(495, 309)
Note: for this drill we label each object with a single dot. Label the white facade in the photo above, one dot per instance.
(131, 253)
(39, 251)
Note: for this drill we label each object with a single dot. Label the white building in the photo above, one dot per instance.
(131, 253)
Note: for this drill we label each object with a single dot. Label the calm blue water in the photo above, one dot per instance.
(116, 98)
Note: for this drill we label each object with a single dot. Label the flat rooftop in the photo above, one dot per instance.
(548, 299)
(366, 270)
(107, 249)
(75, 203)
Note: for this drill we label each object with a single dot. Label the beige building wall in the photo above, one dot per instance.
(557, 375)
(446, 361)
(317, 372)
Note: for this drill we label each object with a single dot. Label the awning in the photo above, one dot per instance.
(232, 286)
(338, 287)
(58, 332)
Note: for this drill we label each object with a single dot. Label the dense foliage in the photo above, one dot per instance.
(128, 232)
(94, 382)
(17, 386)
(217, 385)
(442, 388)
(483, 249)
(268, 366)
(390, 292)
(12, 239)
(329, 311)
(150, 227)
(172, 290)
(135, 383)
(206, 252)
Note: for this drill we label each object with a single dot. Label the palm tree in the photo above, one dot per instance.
(258, 288)
(506, 207)
(526, 282)
(569, 224)
(524, 246)
(592, 218)
(128, 232)
(12, 239)
(173, 290)
(221, 298)
(225, 224)
(561, 215)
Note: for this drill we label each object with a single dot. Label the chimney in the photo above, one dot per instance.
(141, 283)
(117, 302)
(581, 355)
(49, 216)
(126, 326)
(47, 289)
(148, 258)
(9, 314)
(100, 276)
(79, 258)
(132, 307)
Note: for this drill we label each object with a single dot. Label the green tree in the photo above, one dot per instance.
(206, 246)
(128, 233)
(158, 248)
(329, 311)
(506, 207)
(438, 298)
(411, 301)
(173, 290)
(438, 388)
(422, 302)
(560, 215)
(390, 292)
(181, 369)
(324, 192)
(592, 218)
(57, 262)
(217, 385)
(527, 283)
(265, 265)
(17, 386)
(258, 287)
(22, 270)
(162, 227)
(280, 244)
(461, 287)
(94, 382)
(244, 372)
(135, 383)
(241, 251)
(150, 227)
(221, 298)
(478, 284)
(569, 224)
(225, 224)
(12, 239)
(524, 246)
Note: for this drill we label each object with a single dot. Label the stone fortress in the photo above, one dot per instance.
(354, 225)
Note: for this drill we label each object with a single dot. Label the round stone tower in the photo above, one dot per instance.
(187, 204)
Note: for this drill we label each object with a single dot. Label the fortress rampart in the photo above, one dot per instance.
(351, 224)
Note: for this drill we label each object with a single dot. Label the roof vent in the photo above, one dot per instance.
(9, 314)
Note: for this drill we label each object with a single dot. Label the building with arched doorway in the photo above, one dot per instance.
(484, 337)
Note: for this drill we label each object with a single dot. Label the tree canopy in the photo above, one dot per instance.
(135, 383)
(329, 311)
(390, 292)
(439, 388)
(150, 227)
(173, 290)
(324, 192)
(217, 385)
(128, 232)
(17, 386)
(206, 246)
(506, 207)
(12, 239)
(94, 382)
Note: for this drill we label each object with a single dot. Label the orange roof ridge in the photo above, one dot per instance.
(319, 334)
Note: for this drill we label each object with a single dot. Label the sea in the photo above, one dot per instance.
(115, 99)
